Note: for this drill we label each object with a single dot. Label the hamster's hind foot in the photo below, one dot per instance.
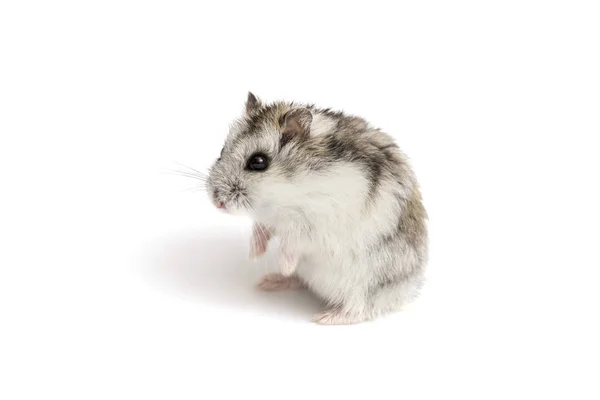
(337, 316)
(277, 281)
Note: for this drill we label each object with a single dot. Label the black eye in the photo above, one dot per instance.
(219, 159)
(258, 162)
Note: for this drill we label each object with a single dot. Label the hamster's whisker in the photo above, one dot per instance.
(192, 169)
(196, 189)
(192, 175)
(187, 175)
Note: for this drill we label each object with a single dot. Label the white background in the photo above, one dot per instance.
(117, 282)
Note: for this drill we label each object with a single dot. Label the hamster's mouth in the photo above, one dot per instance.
(218, 201)
(230, 203)
(231, 208)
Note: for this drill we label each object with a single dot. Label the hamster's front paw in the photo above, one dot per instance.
(336, 316)
(259, 241)
(276, 281)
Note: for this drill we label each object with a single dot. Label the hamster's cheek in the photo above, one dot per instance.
(266, 197)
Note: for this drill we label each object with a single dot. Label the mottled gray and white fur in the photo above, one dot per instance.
(342, 198)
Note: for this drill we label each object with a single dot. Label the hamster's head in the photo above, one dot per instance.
(264, 153)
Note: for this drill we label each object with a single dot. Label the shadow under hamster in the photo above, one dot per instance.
(212, 268)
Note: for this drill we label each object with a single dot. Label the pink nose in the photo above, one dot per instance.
(220, 205)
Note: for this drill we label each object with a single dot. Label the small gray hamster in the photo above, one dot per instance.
(341, 197)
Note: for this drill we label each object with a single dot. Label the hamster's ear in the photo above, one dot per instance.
(253, 103)
(296, 124)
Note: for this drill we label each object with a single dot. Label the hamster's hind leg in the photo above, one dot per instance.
(337, 316)
(384, 299)
(349, 310)
(276, 281)
(392, 296)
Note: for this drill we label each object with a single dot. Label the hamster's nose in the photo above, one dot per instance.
(220, 204)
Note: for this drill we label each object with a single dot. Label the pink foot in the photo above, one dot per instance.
(336, 317)
(276, 281)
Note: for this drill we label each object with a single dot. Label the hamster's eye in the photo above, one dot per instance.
(258, 162)
(219, 159)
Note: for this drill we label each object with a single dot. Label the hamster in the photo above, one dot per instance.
(341, 197)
